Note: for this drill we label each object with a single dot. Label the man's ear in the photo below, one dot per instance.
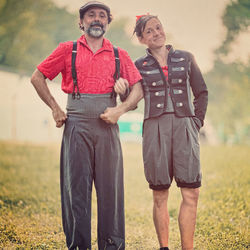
(80, 24)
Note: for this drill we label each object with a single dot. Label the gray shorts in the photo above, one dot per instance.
(171, 149)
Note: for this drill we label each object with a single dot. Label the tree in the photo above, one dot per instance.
(236, 19)
(229, 83)
(30, 30)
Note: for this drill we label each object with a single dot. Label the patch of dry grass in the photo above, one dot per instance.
(30, 213)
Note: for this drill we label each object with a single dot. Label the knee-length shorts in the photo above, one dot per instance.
(171, 150)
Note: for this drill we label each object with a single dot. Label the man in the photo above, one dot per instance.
(172, 121)
(91, 149)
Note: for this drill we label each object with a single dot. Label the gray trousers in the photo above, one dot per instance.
(91, 152)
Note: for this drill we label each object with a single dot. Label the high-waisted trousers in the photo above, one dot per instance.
(91, 153)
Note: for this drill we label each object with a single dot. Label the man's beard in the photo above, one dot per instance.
(96, 30)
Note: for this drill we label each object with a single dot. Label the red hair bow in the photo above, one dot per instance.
(138, 17)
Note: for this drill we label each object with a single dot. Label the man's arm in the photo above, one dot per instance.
(111, 115)
(40, 84)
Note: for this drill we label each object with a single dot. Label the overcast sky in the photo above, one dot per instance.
(193, 25)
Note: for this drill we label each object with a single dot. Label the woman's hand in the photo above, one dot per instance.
(121, 86)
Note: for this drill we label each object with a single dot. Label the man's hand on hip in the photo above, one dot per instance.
(59, 117)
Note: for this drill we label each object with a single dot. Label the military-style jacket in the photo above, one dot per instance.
(183, 75)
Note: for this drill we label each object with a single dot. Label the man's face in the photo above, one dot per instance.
(95, 22)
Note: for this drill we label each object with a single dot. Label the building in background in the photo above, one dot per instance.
(24, 117)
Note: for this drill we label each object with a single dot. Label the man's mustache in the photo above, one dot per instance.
(96, 23)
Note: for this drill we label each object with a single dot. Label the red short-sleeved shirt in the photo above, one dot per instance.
(94, 71)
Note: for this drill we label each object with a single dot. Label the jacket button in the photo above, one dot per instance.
(179, 80)
(110, 241)
(153, 83)
(179, 104)
(157, 93)
(158, 105)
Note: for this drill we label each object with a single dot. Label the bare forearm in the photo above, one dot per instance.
(112, 114)
(42, 89)
(134, 97)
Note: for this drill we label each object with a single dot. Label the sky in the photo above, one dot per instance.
(193, 25)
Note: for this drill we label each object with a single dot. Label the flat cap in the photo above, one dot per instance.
(92, 4)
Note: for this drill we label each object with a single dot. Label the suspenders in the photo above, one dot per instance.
(117, 76)
(73, 70)
(117, 64)
(74, 75)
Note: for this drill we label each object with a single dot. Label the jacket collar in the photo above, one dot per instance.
(169, 48)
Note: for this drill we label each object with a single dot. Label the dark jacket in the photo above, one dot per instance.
(183, 74)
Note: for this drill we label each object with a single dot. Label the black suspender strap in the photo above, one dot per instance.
(117, 64)
(117, 75)
(73, 70)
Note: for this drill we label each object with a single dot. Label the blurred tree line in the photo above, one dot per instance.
(30, 30)
(229, 83)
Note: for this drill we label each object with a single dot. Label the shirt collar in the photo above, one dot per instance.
(106, 44)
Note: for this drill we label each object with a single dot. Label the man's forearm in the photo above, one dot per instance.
(42, 89)
(112, 114)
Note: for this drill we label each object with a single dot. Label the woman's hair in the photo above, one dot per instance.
(141, 23)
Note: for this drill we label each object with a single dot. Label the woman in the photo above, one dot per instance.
(171, 126)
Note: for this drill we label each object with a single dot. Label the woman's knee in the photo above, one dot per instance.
(190, 195)
(160, 197)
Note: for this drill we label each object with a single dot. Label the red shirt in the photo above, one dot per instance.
(165, 71)
(94, 71)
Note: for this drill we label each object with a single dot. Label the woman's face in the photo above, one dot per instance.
(153, 35)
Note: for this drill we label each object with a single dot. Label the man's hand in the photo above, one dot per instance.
(111, 115)
(39, 82)
(120, 86)
(59, 117)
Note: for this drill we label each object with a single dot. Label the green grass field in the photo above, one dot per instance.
(30, 214)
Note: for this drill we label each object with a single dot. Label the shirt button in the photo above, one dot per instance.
(156, 93)
(158, 105)
(179, 104)
(154, 84)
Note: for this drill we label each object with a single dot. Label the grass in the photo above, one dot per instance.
(30, 213)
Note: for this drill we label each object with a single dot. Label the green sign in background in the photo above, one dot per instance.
(130, 127)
